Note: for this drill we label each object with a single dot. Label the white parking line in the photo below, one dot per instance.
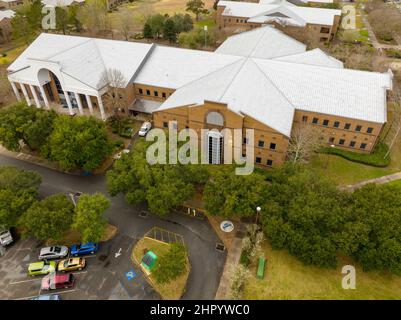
(22, 281)
(50, 293)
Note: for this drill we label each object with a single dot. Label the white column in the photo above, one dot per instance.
(15, 91)
(101, 107)
(89, 102)
(42, 92)
(78, 98)
(28, 101)
(67, 98)
(35, 96)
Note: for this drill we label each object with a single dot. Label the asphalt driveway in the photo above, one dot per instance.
(206, 262)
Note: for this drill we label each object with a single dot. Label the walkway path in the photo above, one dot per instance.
(381, 180)
(375, 42)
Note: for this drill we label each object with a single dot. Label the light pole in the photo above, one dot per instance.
(258, 209)
(205, 30)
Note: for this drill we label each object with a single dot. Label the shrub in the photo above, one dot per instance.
(172, 264)
(376, 158)
(118, 144)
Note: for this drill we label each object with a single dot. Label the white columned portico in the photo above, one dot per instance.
(35, 96)
(78, 98)
(67, 98)
(42, 92)
(101, 107)
(89, 102)
(28, 101)
(15, 91)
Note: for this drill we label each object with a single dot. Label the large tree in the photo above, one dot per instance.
(89, 217)
(49, 218)
(161, 186)
(196, 7)
(78, 142)
(228, 194)
(305, 214)
(22, 123)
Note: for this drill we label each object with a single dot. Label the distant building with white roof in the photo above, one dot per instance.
(62, 3)
(316, 24)
(10, 4)
(260, 79)
(5, 25)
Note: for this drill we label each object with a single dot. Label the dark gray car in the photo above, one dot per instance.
(55, 252)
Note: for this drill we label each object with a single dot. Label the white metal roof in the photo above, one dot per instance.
(257, 43)
(6, 14)
(315, 57)
(173, 67)
(60, 3)
(262, 12)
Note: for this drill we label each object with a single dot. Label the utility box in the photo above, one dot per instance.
(148, 261)
(261, 268)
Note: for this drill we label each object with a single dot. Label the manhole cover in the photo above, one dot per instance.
(102, 257)
(220, 247)
(143, 214)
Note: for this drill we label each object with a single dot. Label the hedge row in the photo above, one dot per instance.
(376, 158)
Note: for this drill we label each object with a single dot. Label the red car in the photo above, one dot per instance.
(57, 281)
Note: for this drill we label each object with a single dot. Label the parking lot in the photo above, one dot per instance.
(109, 274)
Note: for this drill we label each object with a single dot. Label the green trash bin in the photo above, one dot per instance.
(261, 268)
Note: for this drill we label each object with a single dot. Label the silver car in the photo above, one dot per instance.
(55, 252)
(5, 237)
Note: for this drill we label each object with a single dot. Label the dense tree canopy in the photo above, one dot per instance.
(163, 187)
(78, 142)
(172, 264)
(159, 25)
(228, 194)
(89, 217)
(49, 218)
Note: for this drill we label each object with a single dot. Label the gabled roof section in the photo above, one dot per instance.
(257, 43)
(315, 57)
(281, 14)
(6, 14)
(231, 85)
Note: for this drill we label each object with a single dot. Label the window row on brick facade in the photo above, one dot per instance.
(155, 93)
(261, 144)
(269, 162)
(351, 144)
(337, 124)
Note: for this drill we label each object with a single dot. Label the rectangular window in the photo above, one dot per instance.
(156, 93)
(336, 124)
(326, 122)
(341, 141)
(245, 141)
(269, 162)
(358, 128)
(331, 140)
(272, 146)
(165, 124)
(352, 144)
(261, 143)
(148, 92)
(369, 130)
(315, 120)
(324, 30)
(347, 126)
(258, 160)
(140, 91)
(305, 118)
(163, 94)
(363, 145)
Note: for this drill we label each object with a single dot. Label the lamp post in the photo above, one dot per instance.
(258, 209)
(205, 30)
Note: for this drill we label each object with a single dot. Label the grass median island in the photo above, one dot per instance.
(288, 278)
(173, 289)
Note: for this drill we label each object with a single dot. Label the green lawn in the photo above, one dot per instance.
(11, 55)
(287, 278)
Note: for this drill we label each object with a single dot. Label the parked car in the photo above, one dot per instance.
(118, 155)
(58, 281)
(55, 252)
(71, 264)
(47, 297)
(82, 249)
(5, 237)
(41, 268)
(146, 126)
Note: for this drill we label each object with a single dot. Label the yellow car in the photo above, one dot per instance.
(71, 264)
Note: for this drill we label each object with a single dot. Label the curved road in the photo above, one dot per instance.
(206, 262)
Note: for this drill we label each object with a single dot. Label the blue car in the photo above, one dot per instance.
(83, 249)
(47, 297)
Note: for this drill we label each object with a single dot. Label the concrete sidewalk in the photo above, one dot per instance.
(381, 180)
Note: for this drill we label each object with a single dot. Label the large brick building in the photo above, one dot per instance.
(261, 79)
(302, 23)
(5, 25)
